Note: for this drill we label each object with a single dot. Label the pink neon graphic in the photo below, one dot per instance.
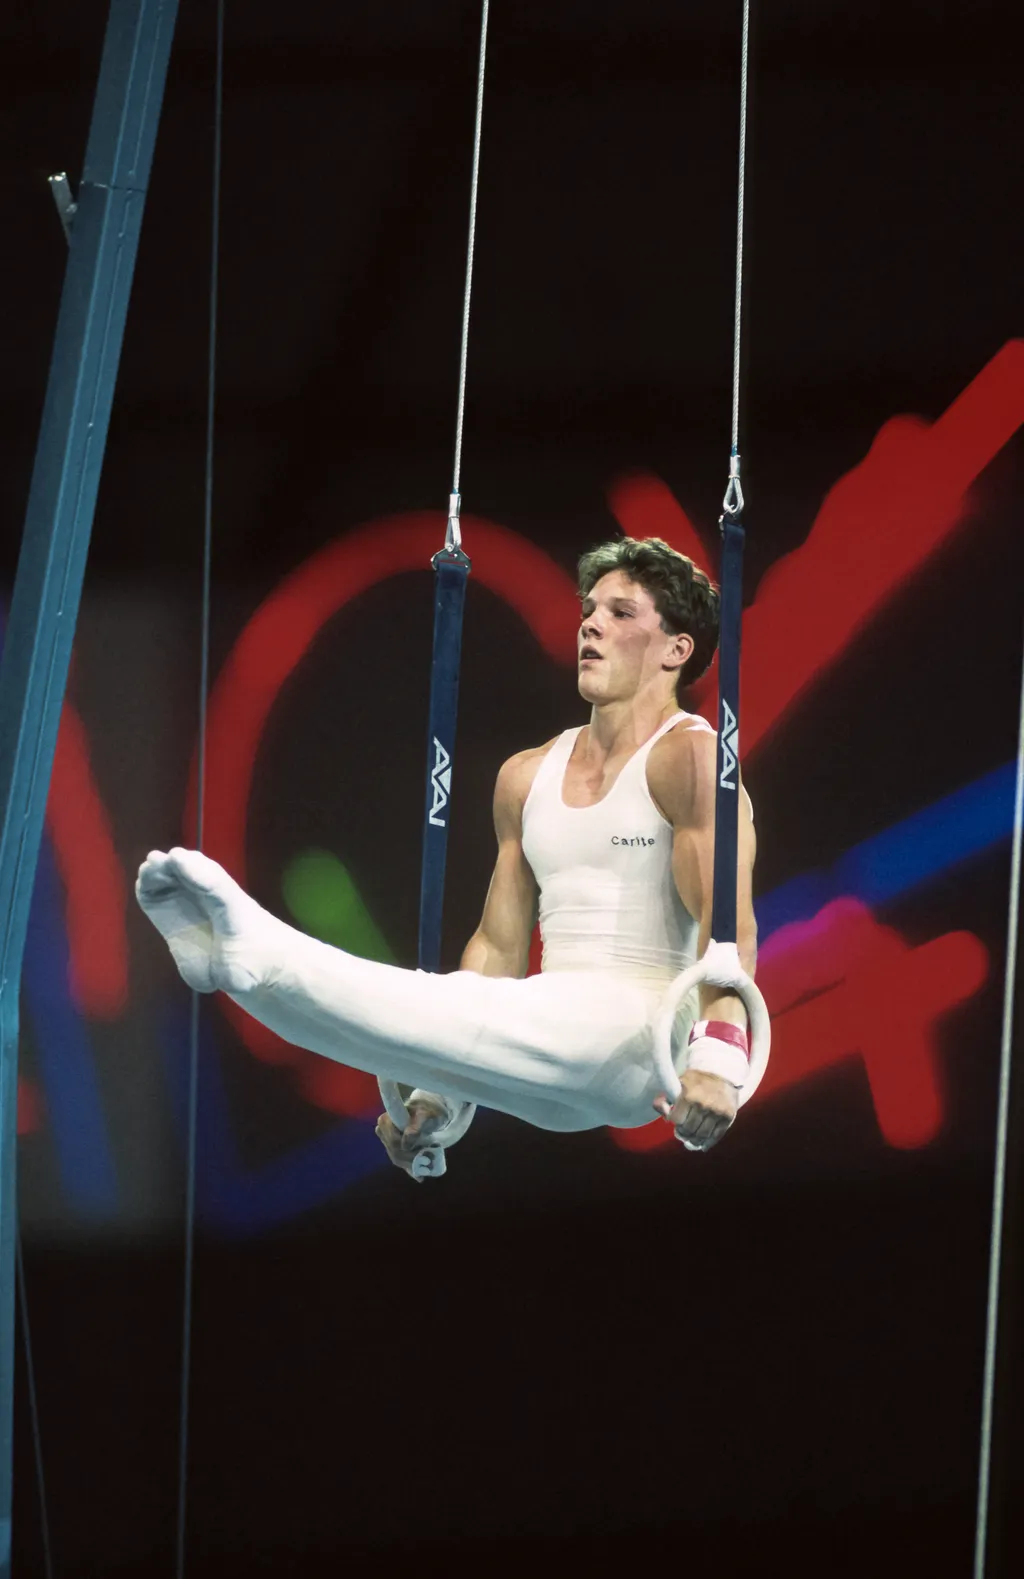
(842, 986)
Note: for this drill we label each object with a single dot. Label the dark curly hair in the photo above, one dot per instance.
(685, 599)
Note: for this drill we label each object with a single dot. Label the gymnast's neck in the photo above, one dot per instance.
(622, 726)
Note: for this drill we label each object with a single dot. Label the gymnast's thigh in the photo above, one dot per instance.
(540, 1048)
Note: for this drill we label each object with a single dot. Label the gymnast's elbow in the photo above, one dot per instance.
(489, 957)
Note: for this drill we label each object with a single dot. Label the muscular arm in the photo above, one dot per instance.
(681, 777)
(500, 946)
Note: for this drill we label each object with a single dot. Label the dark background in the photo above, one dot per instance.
(768, 1358)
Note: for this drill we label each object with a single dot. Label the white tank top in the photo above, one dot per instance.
(608, 901)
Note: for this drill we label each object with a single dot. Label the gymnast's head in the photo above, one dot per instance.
(649, 621)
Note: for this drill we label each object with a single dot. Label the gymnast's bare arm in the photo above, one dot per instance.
(500, 946)
(681, 779)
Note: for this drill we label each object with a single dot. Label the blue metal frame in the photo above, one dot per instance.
(103, 239)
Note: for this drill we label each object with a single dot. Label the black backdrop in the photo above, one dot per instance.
(567, 1351)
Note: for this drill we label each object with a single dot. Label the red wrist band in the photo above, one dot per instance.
(722, 1031)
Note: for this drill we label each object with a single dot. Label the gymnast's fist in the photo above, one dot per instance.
(703, 1112)
(401, 1145)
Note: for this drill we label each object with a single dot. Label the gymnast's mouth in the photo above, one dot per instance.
(588, 653)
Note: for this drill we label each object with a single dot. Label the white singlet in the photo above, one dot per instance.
(608, 901)
(568, 1049)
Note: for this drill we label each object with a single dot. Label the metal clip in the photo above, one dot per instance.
(67, 208)
(453, 552)
(453, 535)
(732, 504)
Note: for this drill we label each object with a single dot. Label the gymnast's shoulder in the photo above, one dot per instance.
(516, 776)
(681, 774)
(681, 768)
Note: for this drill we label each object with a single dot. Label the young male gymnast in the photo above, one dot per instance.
(606, 833)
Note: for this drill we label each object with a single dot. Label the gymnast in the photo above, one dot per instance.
(607, 834)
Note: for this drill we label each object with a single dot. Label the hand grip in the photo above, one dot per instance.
(720, 967)
(430, 1162)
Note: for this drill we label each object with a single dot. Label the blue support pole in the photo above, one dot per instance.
(103, 237)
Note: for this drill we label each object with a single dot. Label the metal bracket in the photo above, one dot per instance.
(67, 208)
(732, 504)
(453, 534)
(453, 552)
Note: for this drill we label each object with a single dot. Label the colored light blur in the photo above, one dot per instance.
(279, 635)
(875, 529)
(80, 833)
(94, 883)
(30, 1106)
(842, 986)
(322, 897)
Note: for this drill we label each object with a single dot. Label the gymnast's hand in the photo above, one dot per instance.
(403, 1145)
(703, 1112)
(203, 916)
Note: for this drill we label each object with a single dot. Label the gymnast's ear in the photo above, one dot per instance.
(680, 650)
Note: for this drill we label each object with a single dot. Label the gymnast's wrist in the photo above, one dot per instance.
(449, 1108)
(718, 1048)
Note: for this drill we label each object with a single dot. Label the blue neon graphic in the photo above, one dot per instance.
(239, 1200)
(64, 1052)
(959, 826)
(63, 1049)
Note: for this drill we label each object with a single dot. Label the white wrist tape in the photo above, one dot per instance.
(453, 1109)
(714, 1055)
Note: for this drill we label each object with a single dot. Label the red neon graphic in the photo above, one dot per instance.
(277, 638)
(30, 1107)
(875, 528)
(94, 882)
(645, 507)
(842, 986)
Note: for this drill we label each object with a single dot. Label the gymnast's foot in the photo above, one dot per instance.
(203, 916)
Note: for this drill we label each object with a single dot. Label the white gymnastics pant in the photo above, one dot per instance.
(566, 1050)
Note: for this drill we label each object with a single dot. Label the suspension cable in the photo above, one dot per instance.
(33, 1406)
(733, 502)
(999, 1180)
(453, 536)
(204, 688)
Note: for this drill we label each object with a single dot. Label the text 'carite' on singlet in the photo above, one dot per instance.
(608, 900)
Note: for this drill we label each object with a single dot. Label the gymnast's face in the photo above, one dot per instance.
(622, 648)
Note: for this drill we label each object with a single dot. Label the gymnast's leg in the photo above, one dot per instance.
(566, 1052)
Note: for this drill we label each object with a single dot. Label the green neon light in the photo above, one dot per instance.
(326, 903)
